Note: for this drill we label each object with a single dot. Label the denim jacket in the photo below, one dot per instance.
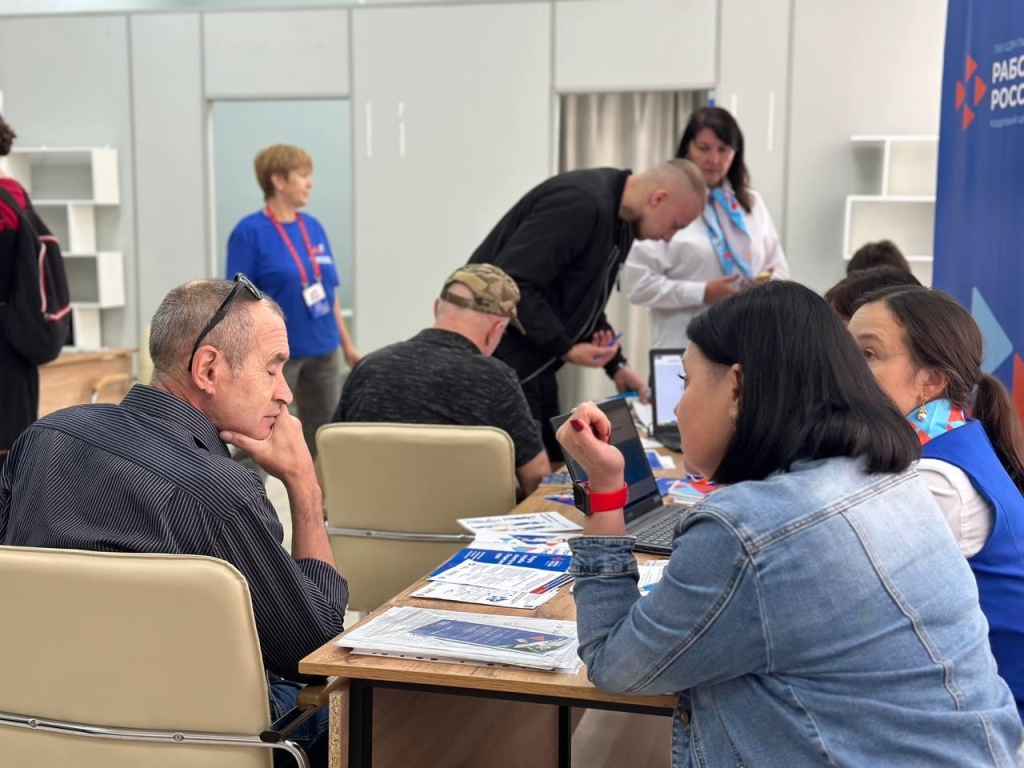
(823, 616)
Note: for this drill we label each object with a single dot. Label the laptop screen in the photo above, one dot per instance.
(638, 476)
(666, 367)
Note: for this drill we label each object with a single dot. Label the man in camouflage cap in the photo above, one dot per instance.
(446, 374)
(492, 291)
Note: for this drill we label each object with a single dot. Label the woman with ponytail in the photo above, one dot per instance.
(925, 351)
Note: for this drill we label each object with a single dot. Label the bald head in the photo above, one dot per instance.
(664, 199)
(678, 175)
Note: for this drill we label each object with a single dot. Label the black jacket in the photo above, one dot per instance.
(563, 244)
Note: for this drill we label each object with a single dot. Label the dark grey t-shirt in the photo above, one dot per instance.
(440, 377)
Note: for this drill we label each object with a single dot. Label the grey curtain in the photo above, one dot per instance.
(621, 130)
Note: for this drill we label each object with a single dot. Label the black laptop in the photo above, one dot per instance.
(666, 389)
(647, 517)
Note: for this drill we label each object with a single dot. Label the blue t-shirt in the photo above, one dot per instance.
(256, 248)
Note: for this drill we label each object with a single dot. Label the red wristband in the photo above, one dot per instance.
(589, 502)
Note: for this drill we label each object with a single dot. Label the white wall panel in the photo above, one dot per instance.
(452, 110)
(864, 67)
(753, 84)
(634, 45)
(271, 54)
(169, 154)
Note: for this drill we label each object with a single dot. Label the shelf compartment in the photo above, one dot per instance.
(86, 327)
(71, 174)
(73, 224)
(76, 192)
(96, 279)
(908, 221)
(909, 164)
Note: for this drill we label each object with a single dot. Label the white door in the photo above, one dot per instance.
(452, 116)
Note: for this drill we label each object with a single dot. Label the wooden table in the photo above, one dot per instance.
(83, 377)
(487, 722)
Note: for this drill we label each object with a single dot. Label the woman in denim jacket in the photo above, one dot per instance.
(815, 610)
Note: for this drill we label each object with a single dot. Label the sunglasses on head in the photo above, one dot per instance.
(241, 281)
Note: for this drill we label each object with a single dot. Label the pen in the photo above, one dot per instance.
(623, 395)
(611, 343)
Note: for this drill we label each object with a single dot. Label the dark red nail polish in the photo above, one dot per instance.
(577, 425)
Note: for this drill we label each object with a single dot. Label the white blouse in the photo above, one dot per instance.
(670, 277)
(969, 516)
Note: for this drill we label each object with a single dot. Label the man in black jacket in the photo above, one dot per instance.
(563, 244)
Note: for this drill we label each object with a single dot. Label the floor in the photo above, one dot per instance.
(606, 739)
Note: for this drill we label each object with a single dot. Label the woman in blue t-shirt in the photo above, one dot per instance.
(287, 255)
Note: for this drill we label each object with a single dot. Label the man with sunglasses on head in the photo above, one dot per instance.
(153, 474)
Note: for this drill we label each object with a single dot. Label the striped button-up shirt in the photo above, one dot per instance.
(152, 475)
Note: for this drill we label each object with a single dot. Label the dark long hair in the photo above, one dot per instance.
(7, 136)
(844, 295)
(805, 392)
(879, 254)
(725, 127)
(942, 335)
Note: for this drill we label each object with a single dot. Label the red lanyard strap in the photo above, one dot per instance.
(291, 248)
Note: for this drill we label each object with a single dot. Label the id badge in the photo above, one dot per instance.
(316, 300)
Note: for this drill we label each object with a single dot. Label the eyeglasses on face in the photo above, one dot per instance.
(241, 281)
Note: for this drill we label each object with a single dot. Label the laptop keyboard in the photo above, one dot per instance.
(670, 440)
(660, 533)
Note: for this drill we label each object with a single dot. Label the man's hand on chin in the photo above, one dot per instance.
(283, 453)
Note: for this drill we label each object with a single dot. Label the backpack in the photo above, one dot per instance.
(35, 305)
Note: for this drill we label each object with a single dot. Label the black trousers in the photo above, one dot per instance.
(542, 396)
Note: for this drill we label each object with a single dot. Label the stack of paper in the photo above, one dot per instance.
(515, 572)
(685, 491)
(537, 522)
(651, 572)
(429, 635)
(562, 497)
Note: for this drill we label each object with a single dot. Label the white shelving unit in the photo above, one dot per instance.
(68, 185)
(904, 208)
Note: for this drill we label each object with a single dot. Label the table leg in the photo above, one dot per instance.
(360, 724)
(564, 736)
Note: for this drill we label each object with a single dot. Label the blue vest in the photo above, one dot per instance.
(999, 566)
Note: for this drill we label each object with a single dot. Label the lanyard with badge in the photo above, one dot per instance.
(313, 293)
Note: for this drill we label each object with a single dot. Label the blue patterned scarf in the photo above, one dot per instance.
(940, 416)
(727, 230)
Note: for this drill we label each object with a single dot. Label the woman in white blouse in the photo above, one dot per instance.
(731, 246)
(926, 353)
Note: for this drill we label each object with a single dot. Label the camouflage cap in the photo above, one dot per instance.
(493, 291)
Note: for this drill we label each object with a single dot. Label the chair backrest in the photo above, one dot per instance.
(121, 640)
(406, 479)
(145, 362)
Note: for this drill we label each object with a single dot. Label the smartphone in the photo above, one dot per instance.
(615, 338)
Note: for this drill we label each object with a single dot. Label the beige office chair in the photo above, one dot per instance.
(121, 660)
(394, 491)
(143, 360)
